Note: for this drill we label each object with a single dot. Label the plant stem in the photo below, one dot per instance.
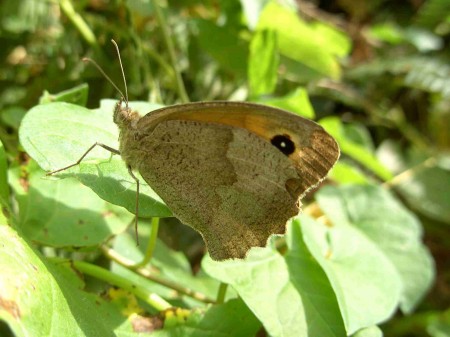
(111, 254)
(78, 22)
(151, 244)
(221, 293)
(171, 49)
(152, 299)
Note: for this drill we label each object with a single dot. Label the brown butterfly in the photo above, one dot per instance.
(233, 171)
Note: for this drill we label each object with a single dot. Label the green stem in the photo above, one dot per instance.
(151, 244)
(171, 49)
(221, 293)
(160, 60)
(100, 273)
(145, 272)
(78, 22)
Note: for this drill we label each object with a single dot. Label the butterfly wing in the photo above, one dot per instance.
(225, 182)
(312, 151)
(233, 171)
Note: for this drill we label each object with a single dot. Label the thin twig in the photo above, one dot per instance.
(430, 162)
(127, 263)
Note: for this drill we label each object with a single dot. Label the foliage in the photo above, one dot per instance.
(368, 256)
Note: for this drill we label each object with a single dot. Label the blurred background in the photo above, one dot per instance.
(382, 67)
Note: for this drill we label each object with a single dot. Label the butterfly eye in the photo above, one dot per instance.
(284, 144)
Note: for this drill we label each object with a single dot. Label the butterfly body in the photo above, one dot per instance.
(232, 171)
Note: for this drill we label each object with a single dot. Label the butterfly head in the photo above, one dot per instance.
(123, 115)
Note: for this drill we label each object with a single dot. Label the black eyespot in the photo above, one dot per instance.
(284, 144)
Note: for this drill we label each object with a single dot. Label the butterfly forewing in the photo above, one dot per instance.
(233, 171)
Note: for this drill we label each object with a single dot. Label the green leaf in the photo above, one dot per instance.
(439, 324)
(172, 266)
(37, 299)
(388, 32)
(422, 181)
(77, 95)
(262, 281)
(296, 101)
(372, 331)
(427, 191)
(432, 13)
(319, 299)
(225, 45)
(291, 296)
(345, 173)
(12, 116)
(58, 134)
(64, 212)
(365, 282)
(263, 63)
(315, 45)
(354, 150)
(387, 228)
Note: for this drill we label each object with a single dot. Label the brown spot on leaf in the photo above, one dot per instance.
(23, 158)
(5, 212)
(23, 181)
(147, 324)
(107, 214)
(10, 306)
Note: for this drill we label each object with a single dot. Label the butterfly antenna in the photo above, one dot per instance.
(87, 59)
(123, 73)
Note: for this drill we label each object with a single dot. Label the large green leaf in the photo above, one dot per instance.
(369, 276)
(291, 296)
(315, 45)
(57, 135)
(39, 299)
(379, 224)
(63, 212)
(365, 282)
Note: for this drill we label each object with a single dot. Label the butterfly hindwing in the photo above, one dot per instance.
(225, 182)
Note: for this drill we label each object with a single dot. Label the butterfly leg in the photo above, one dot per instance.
(130, 171)
(106, 147)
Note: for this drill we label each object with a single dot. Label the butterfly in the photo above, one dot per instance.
(233, 171)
